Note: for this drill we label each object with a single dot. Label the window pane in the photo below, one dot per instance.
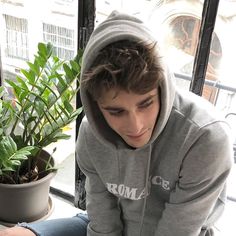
(16, 37)
(62, 39)
(23, 25)
(221, 64)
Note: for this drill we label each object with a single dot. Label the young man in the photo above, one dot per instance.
(156, 160)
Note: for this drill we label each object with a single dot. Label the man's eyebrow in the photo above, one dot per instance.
(117, 108)
(146, 99)
(111, 108)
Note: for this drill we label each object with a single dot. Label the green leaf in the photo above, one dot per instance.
(23, 95)
(34, 67)
(29, 75)
(75, 66)
(42, 49)
(41, 60)
(78, 57)
(68, 106)
(39, 107)
(49, 47)
(13, 85)
(8, 146)
(61, 85)
(26, 149)
(8, 168)
(22, 82)
(31, 119)
(11, 156)
(69, 73)
(16, 162)
(63, 111)
(56, 59)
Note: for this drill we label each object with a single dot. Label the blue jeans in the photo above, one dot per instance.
(74, 226)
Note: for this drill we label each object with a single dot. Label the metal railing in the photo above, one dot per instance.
(215, 84)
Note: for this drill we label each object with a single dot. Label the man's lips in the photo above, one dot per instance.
(136, 136)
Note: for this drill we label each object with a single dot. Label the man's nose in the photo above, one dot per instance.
(135, 123)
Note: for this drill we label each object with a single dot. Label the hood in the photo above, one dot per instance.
(120, 26)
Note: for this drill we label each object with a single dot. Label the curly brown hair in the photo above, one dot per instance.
(126, 65)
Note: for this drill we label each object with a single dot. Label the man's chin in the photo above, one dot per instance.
(136, 144)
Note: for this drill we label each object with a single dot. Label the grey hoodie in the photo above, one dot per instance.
(172, 186)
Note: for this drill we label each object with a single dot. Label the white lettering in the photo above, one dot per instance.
(112, 188)
(130, 193)
(125, 191)
(158, 180)
(133, 193)
(121, 189)
(166, 184)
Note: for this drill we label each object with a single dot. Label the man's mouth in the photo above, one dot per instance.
(136, 136)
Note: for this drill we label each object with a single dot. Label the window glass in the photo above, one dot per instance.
(224, 48)
(182, 42)
(23, 25)
(62, 39)
(16, 37)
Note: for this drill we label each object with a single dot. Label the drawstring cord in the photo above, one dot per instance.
(146, 191)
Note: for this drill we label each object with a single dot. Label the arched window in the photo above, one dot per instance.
(182, 41)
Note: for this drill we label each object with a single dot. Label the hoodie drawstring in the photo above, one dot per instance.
(146, 190)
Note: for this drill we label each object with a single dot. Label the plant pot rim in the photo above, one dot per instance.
(30, 184)
(39, 181)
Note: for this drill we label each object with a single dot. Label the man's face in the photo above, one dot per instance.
(132, 116)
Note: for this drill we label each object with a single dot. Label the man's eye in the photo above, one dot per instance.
(146, 104)
(116, 113)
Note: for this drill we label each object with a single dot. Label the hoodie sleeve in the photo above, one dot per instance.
(202, 179)
(102, 206)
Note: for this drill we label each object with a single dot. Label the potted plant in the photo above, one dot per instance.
(30, 120)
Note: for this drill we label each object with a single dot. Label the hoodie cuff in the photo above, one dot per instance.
(91, 232)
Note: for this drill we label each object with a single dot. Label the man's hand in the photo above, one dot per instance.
(16, 231)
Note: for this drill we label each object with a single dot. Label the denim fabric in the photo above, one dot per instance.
(74, 226)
